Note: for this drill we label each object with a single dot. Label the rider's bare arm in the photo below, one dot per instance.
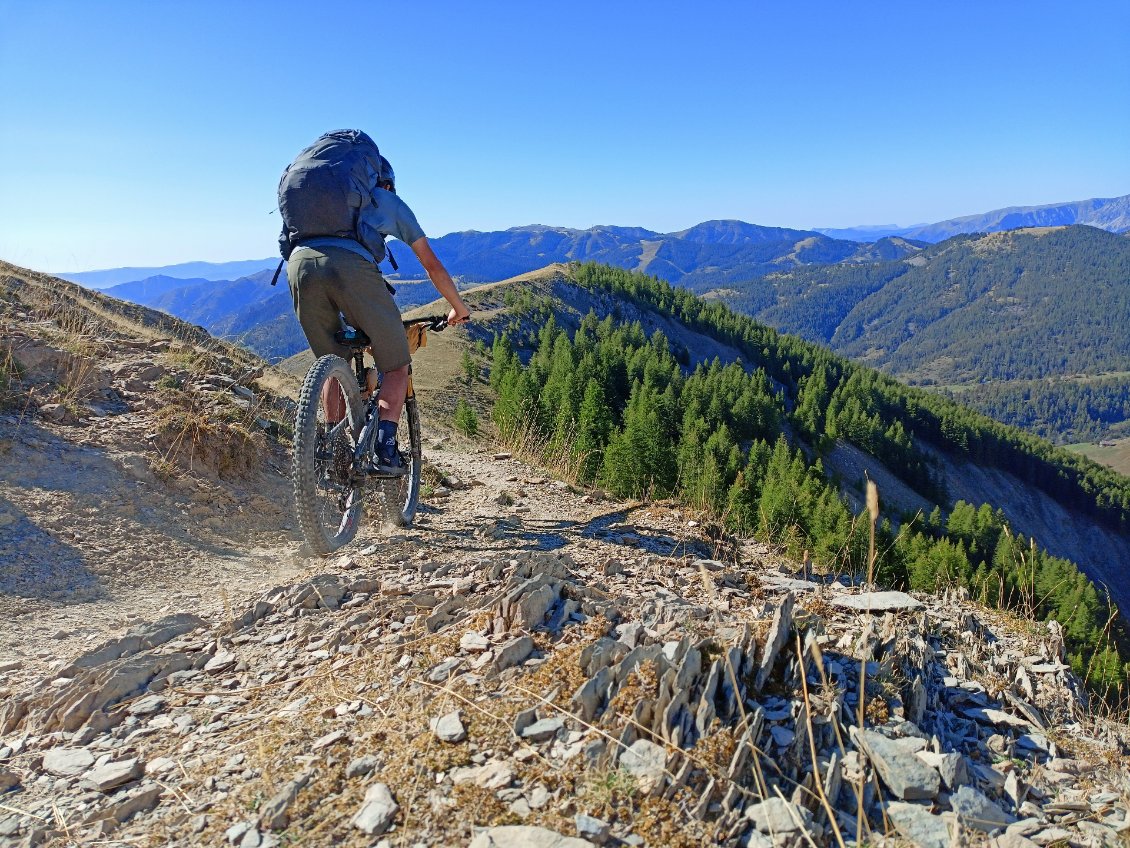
(441, 280)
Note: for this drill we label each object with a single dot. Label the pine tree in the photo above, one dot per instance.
(594, 426)
(466, 420)
(469, 368)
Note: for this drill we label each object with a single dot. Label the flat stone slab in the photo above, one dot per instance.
(876, 602)
(474, 642)
(547, 728)
(67, 762)
(377, 812)
(514, 652)
(112, 775)
(449, 728)
(645, 761)
(919, 825)
(905, 774)
(524, 836)
(791, 584)
(974, 809)
(494, 775)
(777, 815)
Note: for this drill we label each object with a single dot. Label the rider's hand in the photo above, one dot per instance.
(459, 315)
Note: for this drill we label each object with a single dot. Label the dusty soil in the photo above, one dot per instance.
(93, 542)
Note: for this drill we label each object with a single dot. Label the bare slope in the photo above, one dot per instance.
(139, 470)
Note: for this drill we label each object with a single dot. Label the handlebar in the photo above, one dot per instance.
(434, 322)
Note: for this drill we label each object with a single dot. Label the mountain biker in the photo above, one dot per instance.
(331, 274)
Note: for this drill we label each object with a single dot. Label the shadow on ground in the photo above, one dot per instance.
(37, 565)
(525, 534)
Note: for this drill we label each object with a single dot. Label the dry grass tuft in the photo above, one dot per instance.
(12, 393)
(191, 435)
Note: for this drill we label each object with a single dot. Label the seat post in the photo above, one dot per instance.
(359, 366)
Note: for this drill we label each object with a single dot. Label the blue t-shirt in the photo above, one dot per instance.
(389, 216)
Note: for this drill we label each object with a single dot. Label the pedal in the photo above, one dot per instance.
(378, 473)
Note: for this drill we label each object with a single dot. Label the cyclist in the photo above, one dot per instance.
(333, 274)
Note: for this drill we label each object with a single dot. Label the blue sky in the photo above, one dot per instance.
(148, 133)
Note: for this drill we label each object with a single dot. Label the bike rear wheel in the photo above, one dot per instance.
(327, 503)
(401, 495)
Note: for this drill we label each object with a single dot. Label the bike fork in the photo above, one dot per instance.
(363, 453)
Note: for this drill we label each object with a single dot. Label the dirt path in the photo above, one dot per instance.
(91, 543)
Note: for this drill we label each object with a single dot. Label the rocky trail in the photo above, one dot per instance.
(533, 666)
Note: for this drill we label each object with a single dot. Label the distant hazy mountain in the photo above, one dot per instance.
(247, 310)
(1106, 213)
(148, 290)
(185, 270)
(872, 232)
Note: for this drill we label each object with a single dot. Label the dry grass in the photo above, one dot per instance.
(12, 393)
(191, 435)
(556, 454)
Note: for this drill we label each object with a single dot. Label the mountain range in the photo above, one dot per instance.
(1024, 304)
(1106, 213)
(1040, 303)
(691, 253)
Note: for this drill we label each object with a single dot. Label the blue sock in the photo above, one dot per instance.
(386, 438)
(386, 432)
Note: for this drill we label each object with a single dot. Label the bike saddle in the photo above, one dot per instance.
(351, 338)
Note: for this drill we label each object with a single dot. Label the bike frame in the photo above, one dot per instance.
(417, 331)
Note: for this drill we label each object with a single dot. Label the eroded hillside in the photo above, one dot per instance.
(129, 441)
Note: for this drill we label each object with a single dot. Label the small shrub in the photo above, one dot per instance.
(170, 381)
(466, 420)
(470, 369)
(9, 377)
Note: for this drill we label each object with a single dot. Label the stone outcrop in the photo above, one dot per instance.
(538, 688)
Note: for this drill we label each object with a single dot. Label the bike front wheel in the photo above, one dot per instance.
(401, 495)
(327, 501)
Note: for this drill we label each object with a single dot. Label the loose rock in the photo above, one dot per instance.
(449, 728)
(905, 774)
(524, 836)
(647, 762)
(377, 812)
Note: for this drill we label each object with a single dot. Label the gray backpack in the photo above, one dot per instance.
(323, 191)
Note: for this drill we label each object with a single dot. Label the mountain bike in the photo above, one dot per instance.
(333, 458)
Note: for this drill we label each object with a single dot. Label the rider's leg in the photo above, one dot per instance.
(394, 388)
(315, 281)
(367, 305)
(333, 402)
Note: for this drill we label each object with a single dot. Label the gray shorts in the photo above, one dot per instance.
(328, 280)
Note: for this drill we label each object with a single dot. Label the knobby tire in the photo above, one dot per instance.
(401, 495)
(328, 508)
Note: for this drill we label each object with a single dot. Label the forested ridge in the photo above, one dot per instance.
(745, 440)
(975, 310)
(1062, 411)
